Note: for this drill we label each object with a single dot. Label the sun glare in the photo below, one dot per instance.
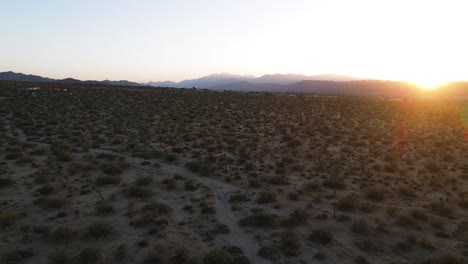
(429, 84)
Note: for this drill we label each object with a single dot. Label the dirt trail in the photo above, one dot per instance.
(236, 237)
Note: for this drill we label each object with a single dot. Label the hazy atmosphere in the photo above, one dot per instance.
(174, 40)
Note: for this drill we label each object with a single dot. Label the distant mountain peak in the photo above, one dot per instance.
(13, 76)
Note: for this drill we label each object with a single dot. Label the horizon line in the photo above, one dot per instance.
(240, 75)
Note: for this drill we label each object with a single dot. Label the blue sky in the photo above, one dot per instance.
(420, 41)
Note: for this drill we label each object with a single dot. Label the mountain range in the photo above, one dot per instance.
(219, 80)
(213, 81)
(292, 83)
(13, 76)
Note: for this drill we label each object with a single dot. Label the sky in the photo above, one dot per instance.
(423, 41)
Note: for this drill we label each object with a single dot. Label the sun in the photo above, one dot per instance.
(429, 84)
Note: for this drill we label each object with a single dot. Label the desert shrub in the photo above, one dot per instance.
(46, 189)
(109, 157)
(278, 180)
(201, 168)
(347, 203)
(7, 220)
(406, 220)
(444, 259)
(170, 184)
(91, 255)
(193, 166)
(391, 210)
(366, 207)
(293, 196)
(24, 159)
(190, 185)
(441, 209)
(63, 234)
(143, 243)
(420, 241)
(59, 257)
(361, 260)
(207, 210)
(51, 202)
(319, 256)
(390, 168)
(121, 252)
(360, 226)
(235, 250)
(266, 197)
(13, 156)
(321, 236)
(41, 178)
(182, 255)
(144, 180)
(4, 182)
(17, 255)
(157, 207)
(366, 244)
(240, 260)
(289, 244)
(217, 257)
(139, 192)
(334, 184)
(433, 167)
(403, 246)
(311, 186)
(254, 183)
(463, 203)
(375, 194)
(296, 217)
(268, 252)
(407, 192)
(145, 219)
(104, 208)
(170, 157)
(39, 151)
(239, 198)
(437, 225)
(40, 229)
(61, 151)
(158, 253)
(99, 230)
(259, 218)
(114, 168)
(106, 180)
(462, 227)
(217, 229)
(418, 214)
(12, 257)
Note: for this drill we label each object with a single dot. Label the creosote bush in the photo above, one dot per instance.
(107, 180)
(51, 202)
(259, 218)
(91, 255)
(8, 220)
(63, 234)
(139, 192)
(4, 182)
(321, 236)
(266, 197)
(99, 230)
